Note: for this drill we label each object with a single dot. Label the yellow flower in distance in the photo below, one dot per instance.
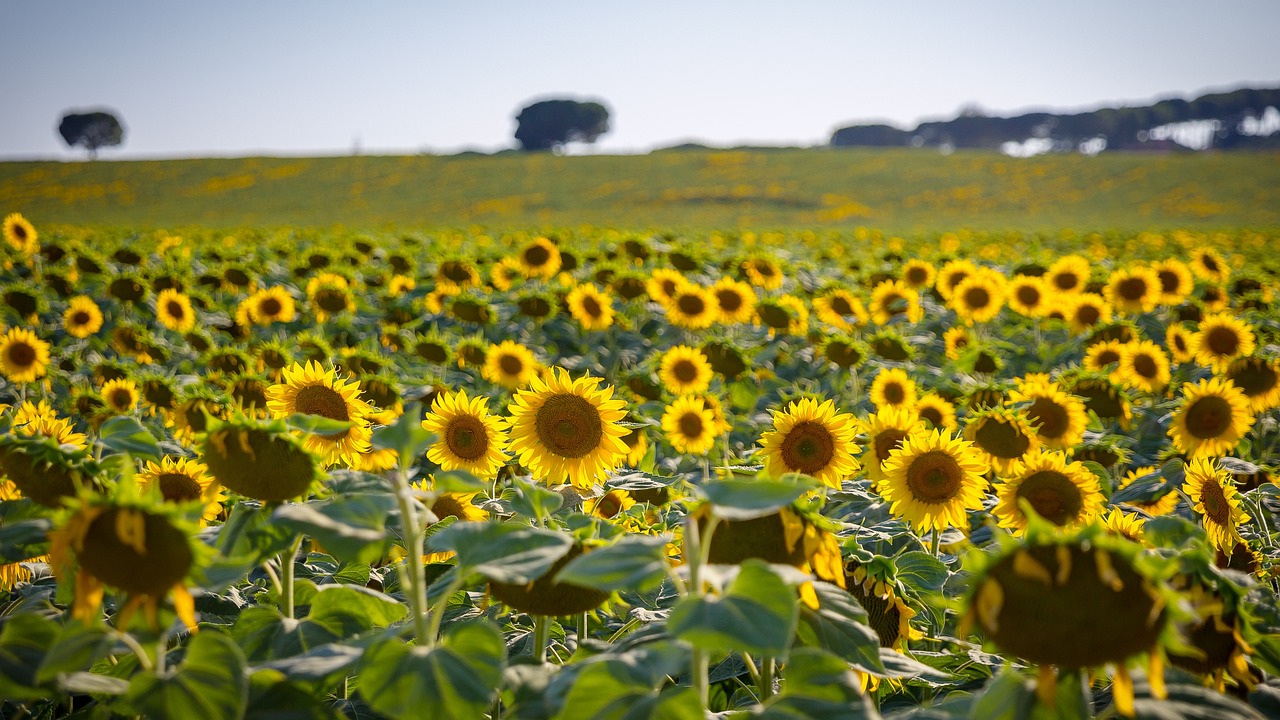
(811, 438)
(1215, 498)
(23, 357)
(689, 425)
(467, 436)
(311, 389)
(932, 479)
(1211, 420)
(1064, 493)
(82, 317)
(567, 430)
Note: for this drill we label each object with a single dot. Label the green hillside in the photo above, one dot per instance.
(900, 190)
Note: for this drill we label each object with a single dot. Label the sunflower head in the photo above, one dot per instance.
(1212, 418)
(510, 365)
(1062, 492)
(565, 429)
(45, 470)
(932, 479)
(689, 425)
(24, 358)
(811, 438)
(726, 359)
(311, 389)
(1258, 378)
(892, 387)
(182, 480)
(258, 459)
(21, 234)
(845, 351)
(685, 369)
(1002, 435)
(787, 536)
(873, 586)
(547, 596)
(467, 436)
(1214, 497)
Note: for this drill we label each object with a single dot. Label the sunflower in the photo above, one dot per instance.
(1259, 379)
(1060, 419)
(811, 438)
(1144, 366)
(1221, 339)
(457, 274)
(1178, 341)
(329, 295)
(1175, 279)
(663, 284)
(1004, 436)
(1068, 274)
(785, 314)
(786, 537)
(1212, 418)
(21, 234)
(692, 307)
(23, 356)
(1214, 497)
(271, 305)
(467, 436)
(1104, 357)
(1214, 298)
(510, 365)
(979, 297)
(735, 299)
(1065, 493)
(892, 299)
(951, 275)
(60, 430)
(689, 425)
(180, 480)
(592, 308)
(398, 285)
(1208, 264)
(1162, 505)
(145, 552)
(936, 411)
(841, 309)
(311, 389)
(504, 273)
(887, 614)
(892, 387)
(1102, 397)
(1126, 525)
(121, 395)
(609, 505)
(567, 430)
(1133, 290)
(845, 351)
(763, 272)
(886, 430)
(955, 340)
(173, 310)
(1215, 632)
(82, 317)
(1085, 310)
(1028, 296)
(540, 258)
(932, 479)
(918, 274)
(684, 370)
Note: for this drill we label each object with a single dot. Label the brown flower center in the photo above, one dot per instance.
(590, 306)
(121, 398)
(1222, 341)
(1145, 366)
(691, 425)
(536, 256)
(1208, 417)
(1066, 281)
(931, 414)
(934, 477)
(1001, 439)
(270, 307)
(1028, 295)
(977, 298)
(1052, 418)
(1254, 377)
(1132, 289)
(331, 300)
(569, 426)
(448, 506)
(691, 304)
(80, 317)
(916, 275)
(510, 364)
(887, 441)
(1088, 314)
(841, 305)
(685, 371)
(1168, 281)
(176, 487)
(894, 393)
(1216, 507)
(175, 310)
(730, 300)
(808, 447)
(22, 355)
(1053, 496)
(466, 437)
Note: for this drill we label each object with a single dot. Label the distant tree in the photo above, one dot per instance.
(91, 130)
(549, 124)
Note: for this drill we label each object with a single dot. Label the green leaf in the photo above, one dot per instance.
(456, 679)
(533, 501)
(839, 626)
(636, 562)
(210, 683)
(24, 539)
(1009, 696)
(246, 539)
(346, 610)
(22, 648)
(318, 663)
(352, 528)
(264, 633)
(743, 395)
(750, 499)
(406, 435)
(921, 570)
(76, 648)
(606, 691)
(502, 551)
(758, 613)
(317, 424)
(457, 481)
(85, 683)
(123, 434)
(816, 674)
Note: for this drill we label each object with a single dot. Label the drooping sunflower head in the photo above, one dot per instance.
(689, 425)
(1063, 492)
(468, 437)
(763, 272)
(785, 314)
(1162, 504)
(845, 351)
(892, 387)
(879, 594)
(24, 358)
(1258, 378)
(1214, 497)
(1221, 339)
(568, 430)
(43, 468)
(1002, 435)
(510, 365)
(811, 438)
(1101, 396)
(458, 272)
(194, 406)
(786, 536)
(546, 595)
(258, 459)
(1216, 631)
(1211, 419)
(329, 295)
(311, 389)
(685, 369)
(932, 479)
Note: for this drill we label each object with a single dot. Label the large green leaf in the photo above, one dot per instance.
(757, 613)
(123, 434)
(75, 649)
(346, 610)
(406, 435)
(503, 552)
(636, 562)
(839, 626)
(211, 682)
(605, 691)
(352, 528)
(749, 499)
(819, 685)
(23, 539)
(23, 643)
(456, 679)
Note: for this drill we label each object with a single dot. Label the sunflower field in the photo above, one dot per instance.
(588, 473)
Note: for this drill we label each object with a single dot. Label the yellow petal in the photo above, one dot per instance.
(185, 606)
(1122, 691)
(1047, 686)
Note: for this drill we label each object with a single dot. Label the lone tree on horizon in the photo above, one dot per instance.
(549, 124)
(91, 130)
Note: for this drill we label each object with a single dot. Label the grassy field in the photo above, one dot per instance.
(896, 190)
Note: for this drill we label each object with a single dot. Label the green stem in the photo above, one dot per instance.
(541, 637)
(935, 542)
(437, 613)
(696, 554)
(766, 678)
(582, 628)
(287, 563)
(275, 579)
(144, 660)
(411, 527)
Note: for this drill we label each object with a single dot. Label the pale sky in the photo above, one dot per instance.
(291, 77)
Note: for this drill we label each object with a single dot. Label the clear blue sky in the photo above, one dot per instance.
(284, 76)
